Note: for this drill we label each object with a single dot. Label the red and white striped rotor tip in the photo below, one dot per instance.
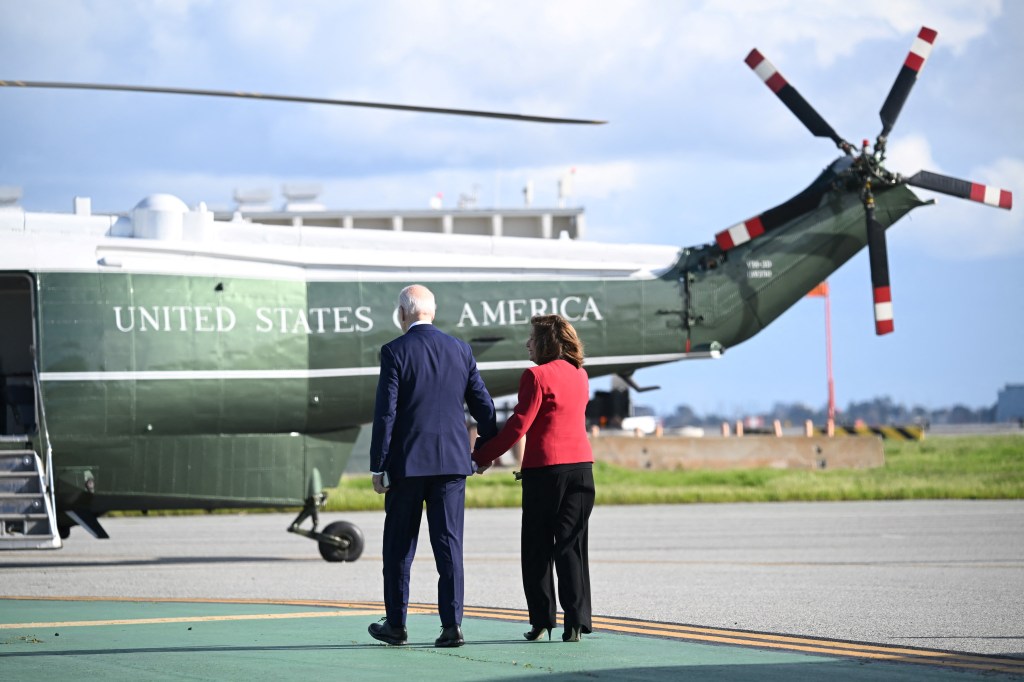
(993, 196)
(921, 49)
(740, 233)
(765, 70)
(883, 311)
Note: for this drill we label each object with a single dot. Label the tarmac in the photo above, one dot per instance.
(175, 639)
(902, 590)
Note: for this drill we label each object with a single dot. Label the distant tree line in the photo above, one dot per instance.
(880, 411)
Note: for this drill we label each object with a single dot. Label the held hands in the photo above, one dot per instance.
(480, 468)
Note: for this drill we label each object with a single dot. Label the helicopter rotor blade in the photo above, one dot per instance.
(964, 189)
(293, 98)
(878, 255)
(741, 233)
(906, 78)
(793, 100)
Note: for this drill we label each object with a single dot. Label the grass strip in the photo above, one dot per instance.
(948, 467)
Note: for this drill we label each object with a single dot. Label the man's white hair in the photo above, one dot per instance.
(416, 299)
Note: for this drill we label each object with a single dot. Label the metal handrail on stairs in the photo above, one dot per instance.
(20, 500)
(41, 412)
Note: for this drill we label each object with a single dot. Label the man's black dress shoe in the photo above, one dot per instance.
(387, 633)
(451, 635)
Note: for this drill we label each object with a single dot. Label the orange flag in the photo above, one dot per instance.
(820, 290)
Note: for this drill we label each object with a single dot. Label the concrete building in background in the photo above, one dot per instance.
(1010, 406)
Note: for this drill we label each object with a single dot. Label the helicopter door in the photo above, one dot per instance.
(18, 415)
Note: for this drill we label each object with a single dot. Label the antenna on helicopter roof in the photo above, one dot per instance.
(469, 201)
(528, 193)
(565, 186)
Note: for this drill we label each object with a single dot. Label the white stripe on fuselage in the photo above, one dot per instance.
(179, 375)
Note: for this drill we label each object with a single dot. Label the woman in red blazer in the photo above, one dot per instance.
(557, 474)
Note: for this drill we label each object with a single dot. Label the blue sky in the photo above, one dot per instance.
(695, 144)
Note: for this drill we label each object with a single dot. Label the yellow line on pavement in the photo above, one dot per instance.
(675, 631)
(778, 641)
(186, 619)
(845, 649)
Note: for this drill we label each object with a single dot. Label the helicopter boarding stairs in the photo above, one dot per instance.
(27, 506)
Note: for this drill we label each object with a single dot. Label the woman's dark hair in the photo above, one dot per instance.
(554, 338)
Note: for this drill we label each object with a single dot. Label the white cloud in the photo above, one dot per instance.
(908, 154)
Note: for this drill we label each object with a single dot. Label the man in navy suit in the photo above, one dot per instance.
(420, 452)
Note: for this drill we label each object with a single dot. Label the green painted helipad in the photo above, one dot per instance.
(176, 639)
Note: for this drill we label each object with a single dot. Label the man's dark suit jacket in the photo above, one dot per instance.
(419, 424)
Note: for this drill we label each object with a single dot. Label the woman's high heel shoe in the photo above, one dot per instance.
(572, 634)
(536, 633)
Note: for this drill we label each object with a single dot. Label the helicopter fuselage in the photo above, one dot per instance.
(189, 362)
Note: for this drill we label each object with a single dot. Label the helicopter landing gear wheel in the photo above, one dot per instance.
(350, 536)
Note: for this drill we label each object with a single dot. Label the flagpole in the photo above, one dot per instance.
(828, 365)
